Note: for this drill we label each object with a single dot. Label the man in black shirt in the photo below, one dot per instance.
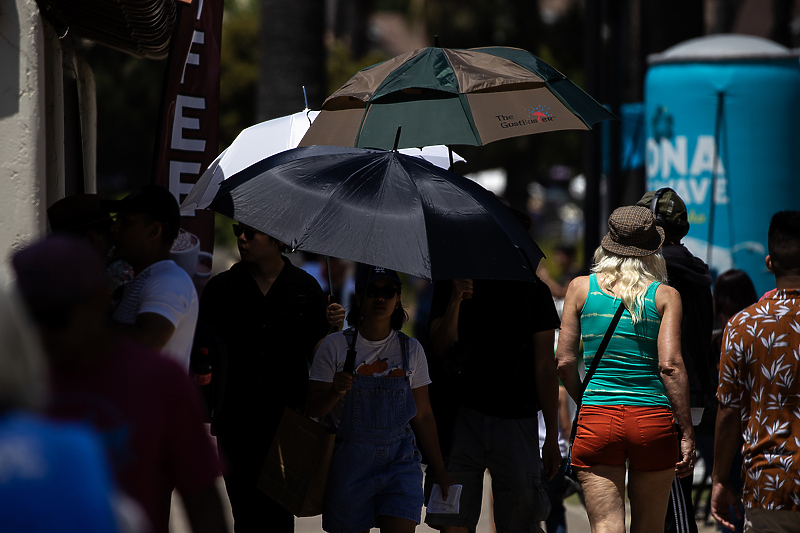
(271, 315)
(689, 275)
(491, 357)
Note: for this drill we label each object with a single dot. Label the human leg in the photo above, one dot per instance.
(604, 490)
(466, 463)
(395, 524)
(649, 493)
(519, 492)
(253, 511)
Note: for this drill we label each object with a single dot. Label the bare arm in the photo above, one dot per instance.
(150, 329)
(424, 425)
(673, 373)
(444, 330)
(204, 511)
(727, 438)
(323, 395)
(547, 390)
(564, 418)
(569, 338)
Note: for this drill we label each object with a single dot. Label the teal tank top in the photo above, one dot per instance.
(628, 371)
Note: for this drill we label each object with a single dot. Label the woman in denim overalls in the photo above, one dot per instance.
(375, 476)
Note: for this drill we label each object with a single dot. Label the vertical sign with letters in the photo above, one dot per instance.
(188, 130)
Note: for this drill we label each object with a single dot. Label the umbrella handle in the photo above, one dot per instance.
(330, 279)
(350, 360)
(396, 139)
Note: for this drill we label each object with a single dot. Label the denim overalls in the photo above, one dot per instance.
(375, 469)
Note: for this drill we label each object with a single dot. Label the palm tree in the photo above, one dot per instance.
(292, 56)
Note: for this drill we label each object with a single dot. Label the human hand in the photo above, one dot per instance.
(342, 382)
(335, 314)
(551, 457)
(723, 498)
(686, 465)
(462, 289)
(445, 481)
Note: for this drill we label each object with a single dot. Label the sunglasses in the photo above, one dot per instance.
(249, 233)
(386, 292)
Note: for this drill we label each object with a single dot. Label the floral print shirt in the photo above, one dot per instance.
(760, 374)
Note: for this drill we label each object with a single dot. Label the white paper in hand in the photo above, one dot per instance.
(437, 504)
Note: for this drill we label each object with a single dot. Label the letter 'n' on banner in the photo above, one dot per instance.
(188, 134)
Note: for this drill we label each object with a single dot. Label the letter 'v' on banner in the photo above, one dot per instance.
(187, 141)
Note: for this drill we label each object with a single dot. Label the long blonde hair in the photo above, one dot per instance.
(629, 276)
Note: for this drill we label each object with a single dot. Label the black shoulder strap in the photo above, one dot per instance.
(595, 362)
(602, 348)
(404, 346)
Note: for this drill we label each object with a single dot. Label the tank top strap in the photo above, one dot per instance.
(651, 291)
(594, 285)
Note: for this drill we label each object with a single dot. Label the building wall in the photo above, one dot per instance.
(22, 125)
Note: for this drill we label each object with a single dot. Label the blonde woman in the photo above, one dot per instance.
(639, 390)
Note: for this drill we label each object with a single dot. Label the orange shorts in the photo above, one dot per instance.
(612, 434)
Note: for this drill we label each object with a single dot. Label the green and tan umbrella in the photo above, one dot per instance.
(453, 97)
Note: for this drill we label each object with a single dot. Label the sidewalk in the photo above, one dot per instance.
(577, 521)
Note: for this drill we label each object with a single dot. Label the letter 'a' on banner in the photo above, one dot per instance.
(188, 133)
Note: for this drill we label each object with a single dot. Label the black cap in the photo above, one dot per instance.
(152, 200)
(77, 213)
(375, 273)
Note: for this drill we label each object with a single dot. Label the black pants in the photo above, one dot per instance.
(680, 512)
(253, 511)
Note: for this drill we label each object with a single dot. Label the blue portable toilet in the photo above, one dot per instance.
(722, 117)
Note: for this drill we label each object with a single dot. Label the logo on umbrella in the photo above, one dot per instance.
(540, 113)
(536, 115)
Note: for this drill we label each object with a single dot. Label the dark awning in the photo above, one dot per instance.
(139, 27)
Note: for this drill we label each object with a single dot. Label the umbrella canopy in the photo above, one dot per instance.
(269, 138)
(381, 208)
(452, 97)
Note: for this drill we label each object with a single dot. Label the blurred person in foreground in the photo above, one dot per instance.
(271, 315)
(140, 402)
(759, 397)
(53, 477)
(690, 276)
(492, 350)
(639, 389)
(159, 307)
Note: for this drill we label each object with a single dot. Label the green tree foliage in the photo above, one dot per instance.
(239, 70)
(128, 102)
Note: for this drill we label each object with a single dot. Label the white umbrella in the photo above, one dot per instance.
(269, 138)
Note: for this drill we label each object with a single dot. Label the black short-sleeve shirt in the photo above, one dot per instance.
(269, 339)
(497, 326)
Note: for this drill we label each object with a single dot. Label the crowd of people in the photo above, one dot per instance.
(100, 419)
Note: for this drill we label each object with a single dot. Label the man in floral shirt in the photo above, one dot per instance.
(759, 396)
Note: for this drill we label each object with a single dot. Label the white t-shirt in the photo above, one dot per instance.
(166, 289)
(375, 358)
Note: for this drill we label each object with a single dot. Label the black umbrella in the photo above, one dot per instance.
(381, 208)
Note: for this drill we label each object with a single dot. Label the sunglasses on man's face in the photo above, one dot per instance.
(386, 292)
(249, 233)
